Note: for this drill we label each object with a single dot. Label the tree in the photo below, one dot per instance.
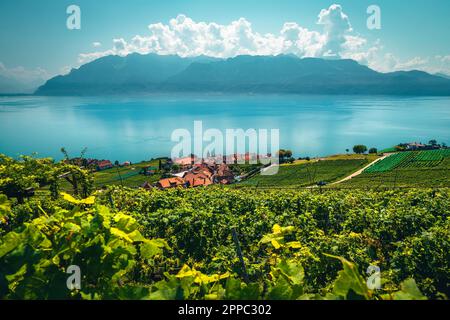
(347, 150)
(285, 155)
(116, 163)
(373, 150)
(359, 148)
(433, 142)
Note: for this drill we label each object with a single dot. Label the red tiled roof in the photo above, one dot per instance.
(201, 182)
(104, 163)
(171, 182)
(195, 179)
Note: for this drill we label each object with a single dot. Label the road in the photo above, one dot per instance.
(357, 173)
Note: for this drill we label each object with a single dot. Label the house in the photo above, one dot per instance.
(223, 174)
(104, 164)
(126, 164)
(180, 174)
(200, 175)
(148, 171)
(415, 146)
(171, 183)
(204, 167)
(198, 178)
(201, 181)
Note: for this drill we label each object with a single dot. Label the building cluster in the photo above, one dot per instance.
(96, 164)
(196, 175)
(191, 171)
(187, 172)
(415, 146)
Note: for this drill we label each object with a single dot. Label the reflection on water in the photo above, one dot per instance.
(137, 128)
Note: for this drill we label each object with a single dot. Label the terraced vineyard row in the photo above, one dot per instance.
(411, 159)
(429, 158)
(389, 163)
(424, 177)
(307, 174)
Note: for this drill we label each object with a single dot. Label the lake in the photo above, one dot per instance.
(139, 128)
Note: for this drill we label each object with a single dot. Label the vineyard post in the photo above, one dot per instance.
(120, 176)
(239, 253)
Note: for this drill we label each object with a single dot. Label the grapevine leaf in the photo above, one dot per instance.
(151, 248)
(349, 282)
(292, 270)
(409, 291)
(69, 198)
(10, 241)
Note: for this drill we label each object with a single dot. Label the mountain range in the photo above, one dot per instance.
(153, 73)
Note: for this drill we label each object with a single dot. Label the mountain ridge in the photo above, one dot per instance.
(153, 73)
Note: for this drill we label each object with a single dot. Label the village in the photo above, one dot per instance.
(192, 171)
(164, 172)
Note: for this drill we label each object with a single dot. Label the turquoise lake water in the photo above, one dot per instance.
(138, 128)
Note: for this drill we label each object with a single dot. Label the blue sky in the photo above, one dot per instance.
(36, 42)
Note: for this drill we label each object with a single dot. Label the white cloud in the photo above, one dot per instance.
(65, 70)
(388, 63)
(185, 37)
(96, 44)
(20, 79)
(443, 58)
(336, 26)
(412, 64)
(22, 74)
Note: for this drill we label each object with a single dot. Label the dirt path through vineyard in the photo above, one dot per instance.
(357, 173)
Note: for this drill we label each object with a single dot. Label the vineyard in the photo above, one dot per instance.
(390, 163)
(216, 242)
(179, 244)
(418, 169)
(307, 174)
(410, 159)
(430, 158)
(424, 177)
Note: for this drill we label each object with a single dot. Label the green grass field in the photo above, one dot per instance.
(307, 174)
